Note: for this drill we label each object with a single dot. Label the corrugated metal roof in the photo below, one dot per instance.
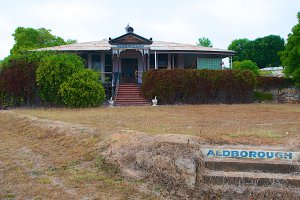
(172, 46)
(155, 46)
(85, 46)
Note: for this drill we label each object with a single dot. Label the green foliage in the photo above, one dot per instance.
(262, 51)
(30, 38)
(246, 65)
(291, 55)
(238, 46)
(199, 86)
(28, 57)
(55, 70)
(262, 96)
(83, 89)
(205, 42)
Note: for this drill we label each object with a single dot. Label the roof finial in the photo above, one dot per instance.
(126, 28)
(129, 29)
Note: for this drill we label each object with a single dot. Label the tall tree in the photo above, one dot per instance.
(30, 38)
(205, 42)
(263, 51)
(291, 55)
(238, 46)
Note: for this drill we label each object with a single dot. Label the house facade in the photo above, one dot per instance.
(125, 58)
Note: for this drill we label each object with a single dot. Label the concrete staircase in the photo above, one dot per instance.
(242, 172)
(130, 95)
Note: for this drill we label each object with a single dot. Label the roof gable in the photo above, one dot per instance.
(130, 38)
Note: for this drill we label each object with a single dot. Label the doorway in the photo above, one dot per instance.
(129, 67)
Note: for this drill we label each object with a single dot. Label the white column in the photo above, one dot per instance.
(173, 61)
(155, 60)
(102, 67)
(169, 61)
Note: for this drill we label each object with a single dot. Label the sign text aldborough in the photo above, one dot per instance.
(252, 154)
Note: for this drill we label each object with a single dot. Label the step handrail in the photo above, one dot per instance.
(117, 87)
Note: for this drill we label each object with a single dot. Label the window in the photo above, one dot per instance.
(96, 62)
(152, 61)
(175, 60)
(108, 63)
(190, 61)
(162, 61)
(209, 63)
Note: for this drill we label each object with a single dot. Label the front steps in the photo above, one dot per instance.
(130, 95)
(247, 172)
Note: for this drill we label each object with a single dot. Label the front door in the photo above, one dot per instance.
(129, 69)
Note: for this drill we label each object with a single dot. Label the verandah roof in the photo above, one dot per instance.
(155, 46)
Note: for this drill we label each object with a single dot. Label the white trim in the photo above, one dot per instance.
(155, 60)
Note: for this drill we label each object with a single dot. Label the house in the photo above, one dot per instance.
(123, 60)
(126, 57)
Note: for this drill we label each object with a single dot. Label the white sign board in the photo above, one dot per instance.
(252, 154)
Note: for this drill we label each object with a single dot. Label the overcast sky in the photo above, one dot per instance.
(182, 21)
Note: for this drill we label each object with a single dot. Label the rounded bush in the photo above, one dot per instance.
(246, 65)
(55, 70)
(82, 89)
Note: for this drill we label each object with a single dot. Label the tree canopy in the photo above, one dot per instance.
(291, 55)
(205, 42)
(238, 46)
(30, 38)
(263, 51)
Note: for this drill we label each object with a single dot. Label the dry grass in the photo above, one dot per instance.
(257, 124)
(49, 163)
(41, 160)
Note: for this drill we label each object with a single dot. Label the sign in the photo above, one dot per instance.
(252, 154)
(131, 46)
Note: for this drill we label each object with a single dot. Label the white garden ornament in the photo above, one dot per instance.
(154, 101)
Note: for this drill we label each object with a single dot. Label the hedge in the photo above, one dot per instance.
(267, 83)
(17, 80)
(199, 86)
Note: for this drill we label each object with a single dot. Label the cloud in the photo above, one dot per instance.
(168, 20)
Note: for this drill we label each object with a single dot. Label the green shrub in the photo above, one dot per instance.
(262, 96)
(83, 89)
(246, 65)
(55, 70)
(199, 86)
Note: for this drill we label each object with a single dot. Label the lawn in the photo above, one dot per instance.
(255, 124)
(55, 153)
